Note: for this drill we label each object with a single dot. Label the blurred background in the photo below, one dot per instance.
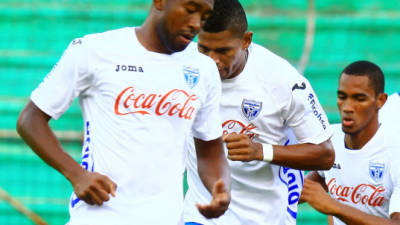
(319, 37)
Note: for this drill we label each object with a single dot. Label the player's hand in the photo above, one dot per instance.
(219, 204)
(94, 188)
(241, 148)
(316, 196)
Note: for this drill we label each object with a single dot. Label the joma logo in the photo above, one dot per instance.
(129, 68)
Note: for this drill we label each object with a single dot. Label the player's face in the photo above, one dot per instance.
(181, 21)
(227, 50)
(358, 104)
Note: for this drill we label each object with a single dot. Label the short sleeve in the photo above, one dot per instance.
(207, 124)
(304, 114)
(67, 80)
(394, 205)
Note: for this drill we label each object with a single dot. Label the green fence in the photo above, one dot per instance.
(33, 35)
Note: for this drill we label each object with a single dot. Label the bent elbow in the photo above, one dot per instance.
(328, 158)
(21, 123)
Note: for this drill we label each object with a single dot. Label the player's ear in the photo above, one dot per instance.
(159, 4)
(382, 97)
(247, 39)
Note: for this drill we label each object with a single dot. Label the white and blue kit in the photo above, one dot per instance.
(265, 101)
(138, 107)
(368, 178)
(389, 114)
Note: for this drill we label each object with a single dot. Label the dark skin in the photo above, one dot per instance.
(169, 28)
(229, 51)
(358, 105)
(32, 126)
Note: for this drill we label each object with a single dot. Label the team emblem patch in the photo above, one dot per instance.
(192, 76)
(376, 171)
(251, 109)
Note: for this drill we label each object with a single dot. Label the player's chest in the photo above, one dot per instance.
(363, 181)
(142, 87)
(248, 110)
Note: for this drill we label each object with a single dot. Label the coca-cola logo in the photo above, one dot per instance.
(174, 102)
(365, 194)
(231, 126)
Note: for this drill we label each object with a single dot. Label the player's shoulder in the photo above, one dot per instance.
(274, 66)
(105, 39)
(274, 71)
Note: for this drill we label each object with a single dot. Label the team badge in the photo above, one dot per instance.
(251, 109)
(192, 76)
(376, 171)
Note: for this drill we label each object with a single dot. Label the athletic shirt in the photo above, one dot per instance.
(138, 107)
(388, 115)
(369, 178)
(265, 100)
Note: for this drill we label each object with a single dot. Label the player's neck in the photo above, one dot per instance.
(359, 139)
(241, 64)
(149, 39)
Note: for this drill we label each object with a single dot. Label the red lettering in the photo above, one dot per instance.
(149, 101)
(231, 126)
(173, 102)
(361, 194)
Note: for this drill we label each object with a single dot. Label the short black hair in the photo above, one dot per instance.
(227, 14)
(369, 69)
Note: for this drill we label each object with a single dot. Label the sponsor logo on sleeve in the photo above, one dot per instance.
(77, 41)
(316, 110)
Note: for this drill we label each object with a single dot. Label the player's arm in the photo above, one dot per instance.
(317, 197)
(214, 172)
(298, 156)
(314, 176)
(33, 127)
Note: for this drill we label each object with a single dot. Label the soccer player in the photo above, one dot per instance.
(364, 182)
(140, 92)
(263, 97)
(388, 115)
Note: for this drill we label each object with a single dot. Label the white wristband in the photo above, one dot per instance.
(268, 152)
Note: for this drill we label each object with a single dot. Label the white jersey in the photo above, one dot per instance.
(369, 178)
(388, 115)
(265, 100)
(137, 106)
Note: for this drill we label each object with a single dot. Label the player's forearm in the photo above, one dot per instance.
(305, 156)
(212, 164)
(353, 216)
(32, 126)
(314, 176)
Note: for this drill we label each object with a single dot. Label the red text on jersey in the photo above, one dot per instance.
(174, 102)
(365, 194)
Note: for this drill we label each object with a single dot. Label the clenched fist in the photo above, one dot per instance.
(94, 188)
(241, 148)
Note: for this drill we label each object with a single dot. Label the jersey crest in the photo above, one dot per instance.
(251, 109)
(192, 76)
(376, 171)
